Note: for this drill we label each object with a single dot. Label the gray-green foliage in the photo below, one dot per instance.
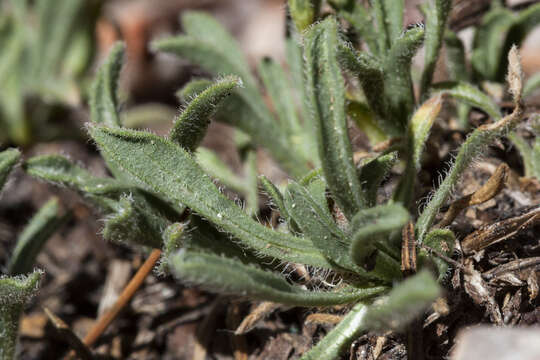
(340, 224)
(22, 282)
(46, 48)
(15, 292)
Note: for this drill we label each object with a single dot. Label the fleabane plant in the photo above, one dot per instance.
(335, 226)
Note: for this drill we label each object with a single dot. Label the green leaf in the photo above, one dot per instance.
(341, 337)
(118, 200)
(103, 97)
(532, 84)
(405, 302)
(388, 15)
(488, 43)
(168, 170)
(8, 159)
(360, 19)
(457, 70)
(304, 12)
(147, 114)
(229, 276)
(317, 224)
(193, 88)
(435, 14)
(190, 127)
(134, 221)
(365, 121)
(441, 240)
(469, 95)
(278, 89)
(216, 51)
(398, 88)
(473, 146)
(523, 24)
(371, 77)
(373, 172)
(373, 225)
(326, 89)
(418, 131)
(172, 242)
(15, 292)
(215, 167)
(30, 242)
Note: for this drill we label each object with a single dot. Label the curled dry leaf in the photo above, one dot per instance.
(488, 191)
(501, 230)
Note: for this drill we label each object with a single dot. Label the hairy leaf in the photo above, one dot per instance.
(278, 88)
(304, 12)
(8, 159)
(167, 169)
(326, 91)
(435, 14)
(469, 95)
(229, 276)
(373, 172)
(404, 303)
(30, 242)
(103, 97)
(15, 292)
(190, 127)
(372, 225)
(418, 132)
(317, 224)
(457, 70)
(341, 337)
(398, 89)
(441, 240)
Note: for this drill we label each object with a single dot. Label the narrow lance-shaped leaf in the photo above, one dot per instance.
(404, 303)
(230, 276)
(364, 119)
(326, 89)
(441, 240)
(116, 199)
(532, 84)
(190, 127)
(373, 172)
(251, 185)
(372, 225)
(435, 14)
(206, 30)
(30, 242)
(339, 340)
(168, 170)
(278, 89)
(208, 45)
(304, 12)
(398, 89)
(472, 147)
(524, 23)
(488, 44)
(215, 167)
(371, 77)
(457, 70)
(8, 159)
(418, 132)
(470, 95)
(361, 20)
(15, 292)
(103, 97)
(317, 224)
